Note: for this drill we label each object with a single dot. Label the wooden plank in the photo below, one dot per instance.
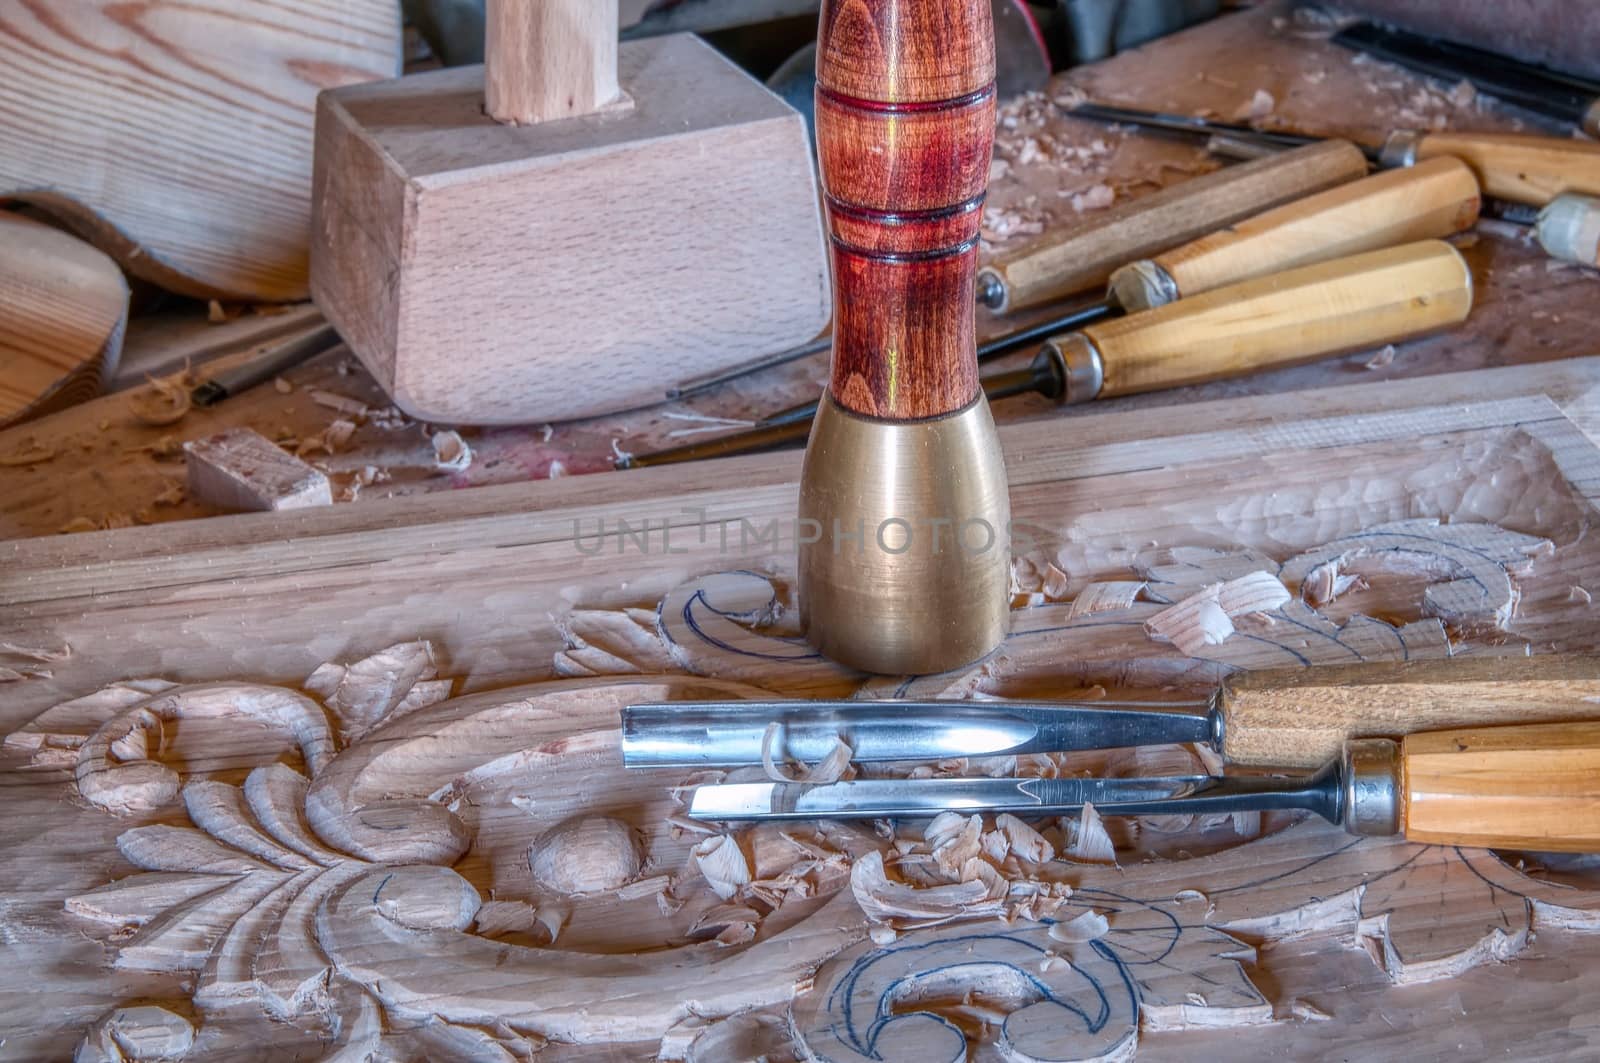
(178, 138)
(307, 834)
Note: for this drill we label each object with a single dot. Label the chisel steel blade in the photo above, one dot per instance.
(724, 734)
(873, 798)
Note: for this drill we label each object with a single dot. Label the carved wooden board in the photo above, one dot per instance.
(220, 843)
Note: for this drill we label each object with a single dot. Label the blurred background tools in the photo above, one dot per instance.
(508, 244)
(1510, 166)
(1435, 199)
(1563, 97)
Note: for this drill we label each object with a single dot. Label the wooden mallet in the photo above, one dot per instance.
(568, 229)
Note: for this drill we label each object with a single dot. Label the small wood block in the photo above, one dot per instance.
(63, 312)
(242, 469)
(492, 274)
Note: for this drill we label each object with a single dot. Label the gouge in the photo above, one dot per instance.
(1510, 166)
(1365, 300)
(1525, 787)
(1287, 718)
(1078, 260)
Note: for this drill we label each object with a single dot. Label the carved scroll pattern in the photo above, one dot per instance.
(325, 893)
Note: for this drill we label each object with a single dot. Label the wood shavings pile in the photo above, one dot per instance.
(758, 871)
(1206, 617)
(163, 401)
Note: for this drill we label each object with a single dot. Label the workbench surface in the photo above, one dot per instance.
(106, 469)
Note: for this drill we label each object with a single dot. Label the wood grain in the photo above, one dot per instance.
(1432, 200)
(1520, 168)
(549, 59)
(177, 138)
(1083, 258)
(63, 312)
(1530, 787)
(905, 121)
(1353, 303)
(1300, 719)
(491, 274)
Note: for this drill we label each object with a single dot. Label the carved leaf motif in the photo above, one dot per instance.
(386, 685)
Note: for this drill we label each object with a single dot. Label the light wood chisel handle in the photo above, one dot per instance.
(1519, 168)
(1434, 199)
(1300, 718)
(1082, 259)
(1532, 787)
(1285, 319)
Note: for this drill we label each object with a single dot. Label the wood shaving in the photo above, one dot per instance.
(78, 524)
(1260, 105)
(1087, 839)
(282, 386)
(726, 924)
(1106, 597)
(29, 452)
(342, 403)
(830, 769)
(505, 917)
(1185, 896)
(1082, 928)
(1023, 841)
(1325, 583)
(1098, 197)
(162, 401)
(1380, 360)
(1578, 594)
(557, 470)
(645, 887)
(883, 935)
(450, 452)
(41, 654)
(952, 839)
(1307, 1012)
(1206, 617)
(723, 863)
(1056, 583)
(980, 894)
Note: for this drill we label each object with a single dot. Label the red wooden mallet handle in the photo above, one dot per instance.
(905, 126)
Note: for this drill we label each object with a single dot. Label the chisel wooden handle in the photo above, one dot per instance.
(1082, 259)
(1285, 319)
(1532, 787)
(1300, 718)
(1519, 168)
(1435, 198)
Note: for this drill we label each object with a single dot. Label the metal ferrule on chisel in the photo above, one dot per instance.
(723, 734)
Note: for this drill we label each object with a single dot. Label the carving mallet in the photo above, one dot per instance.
(1081, 258)
(1516, 167)
(903, 480)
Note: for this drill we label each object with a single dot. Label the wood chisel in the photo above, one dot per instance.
(1563, 97)
(1081, 259)
(1316, 311)
(1510, 166)
(1496, 751)
(1569, 229)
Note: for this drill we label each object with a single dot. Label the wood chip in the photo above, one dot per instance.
(723, 864)
(343, 403)
(162, 401)
(831, 768)
(1084, 927)
(1206, 617)
(1260, 105)
(1106, 597)
(1382, 359)
(981, 894)
(450, 452)
(29, 452)
(1088, 842)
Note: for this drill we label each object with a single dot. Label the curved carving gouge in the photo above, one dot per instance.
(1534, 787)
(1511, 166)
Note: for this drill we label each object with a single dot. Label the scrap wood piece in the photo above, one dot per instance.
(222, 210)
(63, 313)
(241, 469)
(1206, 618)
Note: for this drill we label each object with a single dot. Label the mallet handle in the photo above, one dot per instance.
(905, 126)
(1519, 167)
(549, 59)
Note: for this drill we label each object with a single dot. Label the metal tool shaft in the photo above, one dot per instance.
(1321, 793)
(721, 734)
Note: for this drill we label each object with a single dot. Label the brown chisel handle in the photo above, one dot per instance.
(1081, 259)
(1300, 718)
(1510, 166)
(905, 129)
(1434, 199)
(1307, 313)
(1530, 787)
(549, 59)
(1569, 229)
